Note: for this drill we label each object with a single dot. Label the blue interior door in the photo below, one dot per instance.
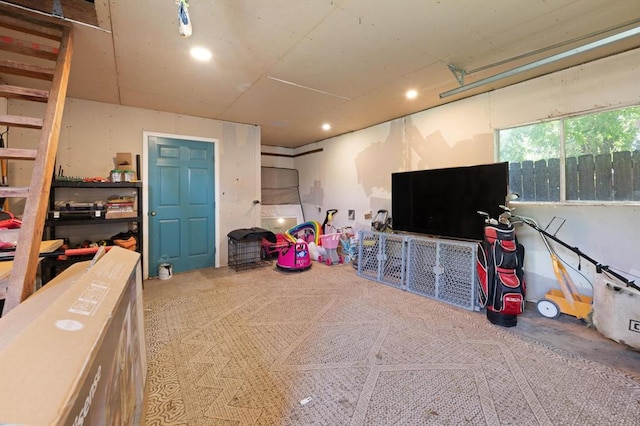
(181, 204)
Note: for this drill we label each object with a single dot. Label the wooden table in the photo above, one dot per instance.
(47, 246)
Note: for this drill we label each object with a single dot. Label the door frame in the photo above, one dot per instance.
(145, 192)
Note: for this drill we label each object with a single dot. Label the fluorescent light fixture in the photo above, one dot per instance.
(411, 94)
(326, 126)
(201, 54)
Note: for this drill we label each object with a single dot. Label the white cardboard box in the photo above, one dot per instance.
(74, 353)
(616, 311)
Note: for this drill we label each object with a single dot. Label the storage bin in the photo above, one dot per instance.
(616, 312)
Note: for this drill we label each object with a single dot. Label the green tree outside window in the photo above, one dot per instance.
(600, 153)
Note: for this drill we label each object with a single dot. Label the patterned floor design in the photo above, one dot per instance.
(325, 347)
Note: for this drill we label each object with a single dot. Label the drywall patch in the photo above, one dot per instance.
(315, 195)
(424, 152)
(230, 136)
(375, 163)
(378, 203)
(434, 151)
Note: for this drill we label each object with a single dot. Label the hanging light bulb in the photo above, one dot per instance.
(184, 21)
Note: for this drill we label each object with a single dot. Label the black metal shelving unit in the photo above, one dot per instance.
(56, 266)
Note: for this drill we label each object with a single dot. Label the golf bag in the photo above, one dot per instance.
(501, 287)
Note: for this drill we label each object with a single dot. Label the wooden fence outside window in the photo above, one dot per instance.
(604, 177)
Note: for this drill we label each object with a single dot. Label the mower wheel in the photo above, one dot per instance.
(328, 261)
(320, 258)
(548, 309)
(340, 259)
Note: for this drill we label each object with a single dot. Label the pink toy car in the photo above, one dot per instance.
(295, 257)
(269, 249)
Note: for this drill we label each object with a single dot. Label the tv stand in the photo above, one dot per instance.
(433, 267)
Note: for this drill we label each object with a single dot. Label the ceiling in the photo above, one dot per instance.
(291, 65)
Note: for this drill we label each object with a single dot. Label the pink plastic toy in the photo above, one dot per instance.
(330, 244)
(295, 257)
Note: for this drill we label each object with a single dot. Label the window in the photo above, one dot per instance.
(589, 157)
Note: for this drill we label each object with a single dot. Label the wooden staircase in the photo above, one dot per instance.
(39, 49)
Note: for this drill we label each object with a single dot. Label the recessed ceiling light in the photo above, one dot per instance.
(411, 94)
(201, 54)
(326, 126)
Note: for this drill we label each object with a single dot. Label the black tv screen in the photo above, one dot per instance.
(445, 202)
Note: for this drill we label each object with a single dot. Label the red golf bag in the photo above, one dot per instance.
(501, 287)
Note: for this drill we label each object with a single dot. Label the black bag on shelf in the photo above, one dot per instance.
(127, 240)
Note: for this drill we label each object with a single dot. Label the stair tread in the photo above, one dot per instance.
(20, 121)
(26, 70)
(25, 47)
(18, 153)
(14, 191)
(29, 23)
(24, 93)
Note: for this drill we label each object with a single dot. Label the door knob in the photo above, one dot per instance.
(153, 213)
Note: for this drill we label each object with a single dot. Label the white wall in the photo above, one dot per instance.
(92, 133)
(353, 171)
(273, 156)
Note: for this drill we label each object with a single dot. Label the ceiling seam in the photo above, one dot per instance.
(115, 57)
(279, 60)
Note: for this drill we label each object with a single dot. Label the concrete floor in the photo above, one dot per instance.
(572, 335)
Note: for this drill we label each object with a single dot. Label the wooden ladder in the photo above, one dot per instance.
(42, 49)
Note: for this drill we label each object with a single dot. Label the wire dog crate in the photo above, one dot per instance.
(244, 246)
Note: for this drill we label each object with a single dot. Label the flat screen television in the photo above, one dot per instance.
(445, 202)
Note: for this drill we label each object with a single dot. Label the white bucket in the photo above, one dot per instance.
(165, 271)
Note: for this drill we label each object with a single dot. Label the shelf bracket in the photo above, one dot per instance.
(457, 73)
(57, 9)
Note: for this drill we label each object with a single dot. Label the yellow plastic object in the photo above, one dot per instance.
(567, 298)
(576, 305)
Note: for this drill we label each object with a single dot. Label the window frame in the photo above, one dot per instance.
(562, 154)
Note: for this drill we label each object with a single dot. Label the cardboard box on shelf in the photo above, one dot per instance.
(117, 214)
(124, 161)
(79, 343)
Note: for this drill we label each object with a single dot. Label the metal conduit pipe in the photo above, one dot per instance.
(541, 62)
(554, 46)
